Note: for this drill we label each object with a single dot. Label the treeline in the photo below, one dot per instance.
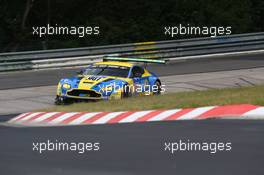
(120, 21)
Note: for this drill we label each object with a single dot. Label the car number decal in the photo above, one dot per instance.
(94, 78)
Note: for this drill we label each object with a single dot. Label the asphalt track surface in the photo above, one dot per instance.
(51, 77)
(127, 149)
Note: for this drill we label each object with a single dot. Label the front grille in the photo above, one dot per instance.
(83, 93)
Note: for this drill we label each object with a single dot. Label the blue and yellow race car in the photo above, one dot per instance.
(114, 78)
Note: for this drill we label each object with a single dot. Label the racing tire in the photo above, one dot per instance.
(157, 84)
(126, 92)
(59, 101)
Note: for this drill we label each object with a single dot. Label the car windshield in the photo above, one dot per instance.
(105, 70)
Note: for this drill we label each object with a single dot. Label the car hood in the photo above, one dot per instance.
(93, 82)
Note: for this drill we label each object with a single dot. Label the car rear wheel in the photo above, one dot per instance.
(158, 89)
(126, 92)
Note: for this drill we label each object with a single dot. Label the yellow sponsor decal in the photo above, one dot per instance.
(85, 84)
(146, 73)
(88, 82)
(59, 89)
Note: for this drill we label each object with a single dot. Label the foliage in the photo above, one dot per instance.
(120, 21)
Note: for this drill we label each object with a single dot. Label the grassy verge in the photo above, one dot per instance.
(244, 95)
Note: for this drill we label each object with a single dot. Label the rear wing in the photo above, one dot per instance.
(142, 60)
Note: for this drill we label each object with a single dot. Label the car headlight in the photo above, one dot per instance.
(66, 86)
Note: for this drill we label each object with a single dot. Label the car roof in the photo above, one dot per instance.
(115, 63)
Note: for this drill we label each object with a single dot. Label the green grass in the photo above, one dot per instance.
(244, 95)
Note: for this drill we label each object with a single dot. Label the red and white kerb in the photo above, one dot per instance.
(82, 118)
